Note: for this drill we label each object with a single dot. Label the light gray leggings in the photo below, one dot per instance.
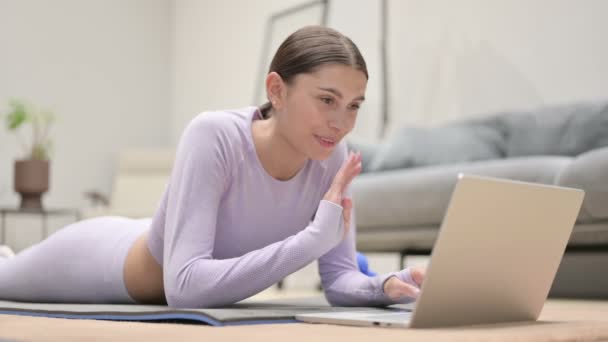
(81, 263)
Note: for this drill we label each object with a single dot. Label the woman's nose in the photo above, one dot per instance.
(336, 126)
(337, 121)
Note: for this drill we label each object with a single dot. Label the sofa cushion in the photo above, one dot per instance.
(418, 239)
(413, 146)
(420, 196)
(556, 130)
(589, 171)
(565, 129)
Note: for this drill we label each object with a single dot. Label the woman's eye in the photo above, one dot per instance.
(355, 107)
(327, 100)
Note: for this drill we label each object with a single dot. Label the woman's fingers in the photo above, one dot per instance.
(418, 274)
(341, 177)
(356, 168)
(407, 290)
(349, 170)
(397, 289)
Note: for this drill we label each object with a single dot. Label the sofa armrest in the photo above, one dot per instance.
(589, 171)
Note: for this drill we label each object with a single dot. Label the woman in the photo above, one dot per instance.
(255, 194)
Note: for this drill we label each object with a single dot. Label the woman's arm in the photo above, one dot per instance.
(192, 278)
(345, 285)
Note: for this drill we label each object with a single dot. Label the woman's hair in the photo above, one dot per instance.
(305, 50)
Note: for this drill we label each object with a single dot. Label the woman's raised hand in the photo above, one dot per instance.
(349, 170)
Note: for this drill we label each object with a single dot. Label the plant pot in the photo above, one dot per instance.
(31, 181)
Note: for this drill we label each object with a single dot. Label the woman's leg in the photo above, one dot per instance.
(81, 263)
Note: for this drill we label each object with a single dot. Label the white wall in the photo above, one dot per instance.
(447, 59)
(103, 67)
(216, 52)
(466, 58)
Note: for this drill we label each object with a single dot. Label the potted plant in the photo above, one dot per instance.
(31, 176)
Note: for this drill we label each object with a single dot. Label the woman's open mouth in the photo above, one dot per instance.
(325, 142)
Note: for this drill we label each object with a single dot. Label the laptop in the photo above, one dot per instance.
(498, 250)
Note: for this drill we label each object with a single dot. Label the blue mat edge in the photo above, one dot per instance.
(146, 317)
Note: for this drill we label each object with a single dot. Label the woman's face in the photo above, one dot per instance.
(318, 109)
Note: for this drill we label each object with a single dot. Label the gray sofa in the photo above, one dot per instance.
(404, 189)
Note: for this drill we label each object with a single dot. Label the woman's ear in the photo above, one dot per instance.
(274, 89)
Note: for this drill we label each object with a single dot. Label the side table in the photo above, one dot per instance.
(44, 214)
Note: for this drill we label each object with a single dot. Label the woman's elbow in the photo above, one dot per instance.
(335, 298)
(193, 298)
(189, 300)
(180, 295)
(178, 300)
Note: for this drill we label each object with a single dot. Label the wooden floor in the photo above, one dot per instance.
(561, 320)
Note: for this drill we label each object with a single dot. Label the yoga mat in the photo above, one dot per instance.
(242, 313)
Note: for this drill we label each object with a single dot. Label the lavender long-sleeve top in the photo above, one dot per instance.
(225, 229)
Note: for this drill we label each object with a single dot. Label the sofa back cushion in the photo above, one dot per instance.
(447, 144)
(566, 130)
